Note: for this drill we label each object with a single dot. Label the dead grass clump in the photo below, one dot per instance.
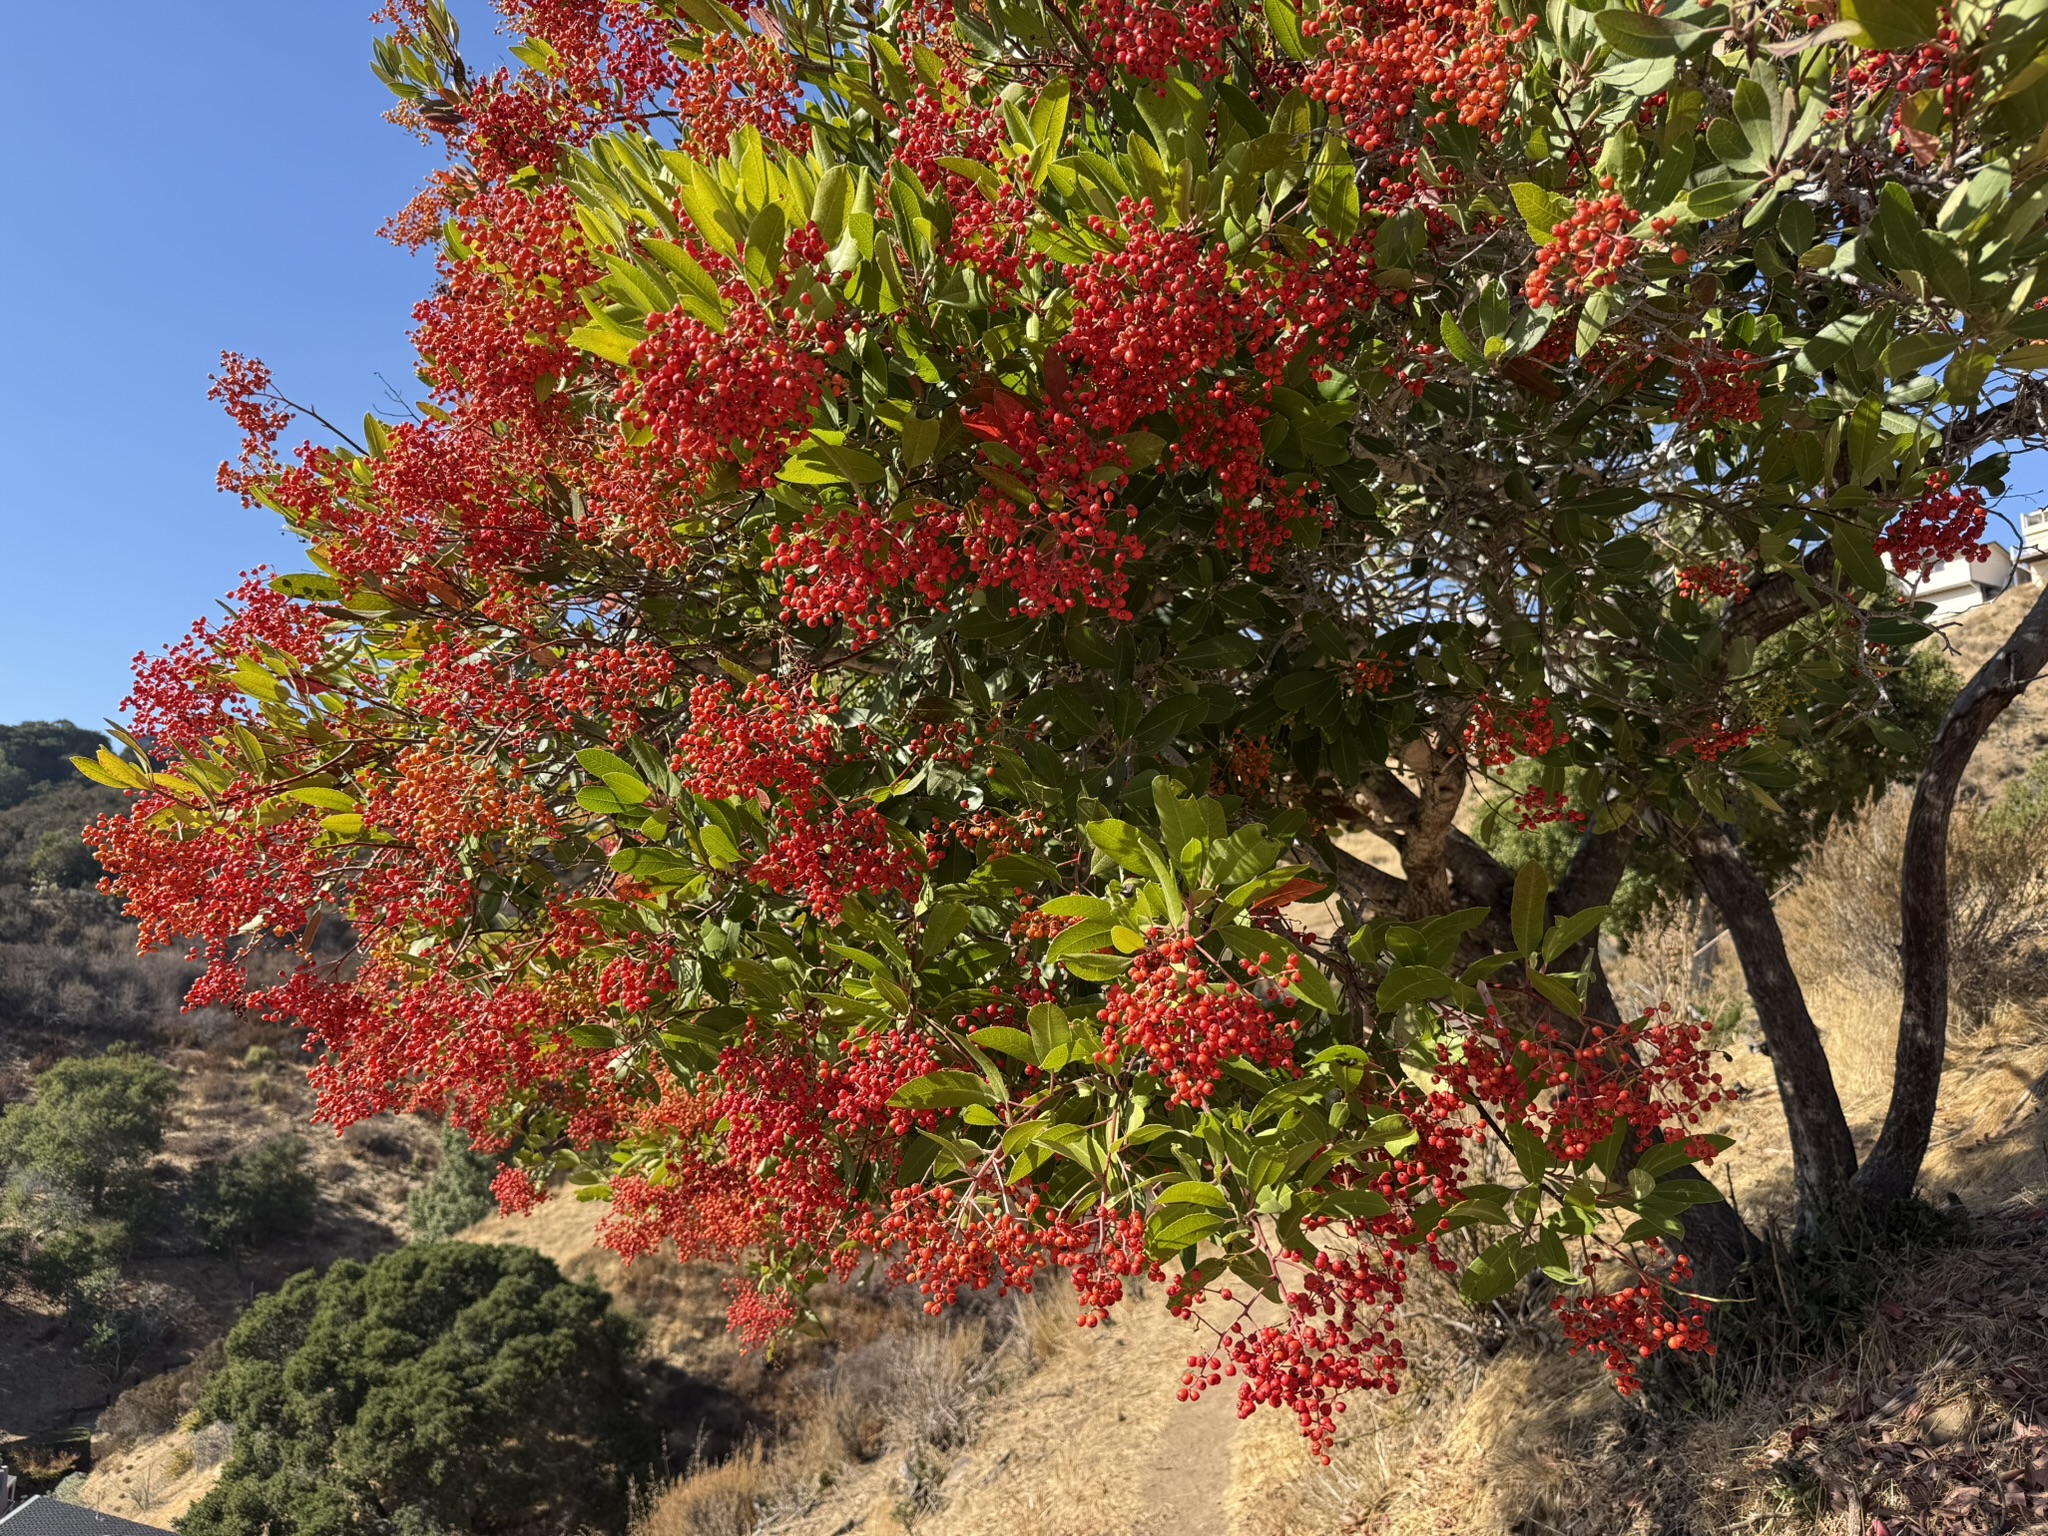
(1843, 921)
(1678, 959)
(1042, 1328)
(156, 1406)
(729, 1499)
(913, 1394)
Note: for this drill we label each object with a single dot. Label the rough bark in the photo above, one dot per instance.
(1823, 1151)
(1440, 777)
(1891, 1171)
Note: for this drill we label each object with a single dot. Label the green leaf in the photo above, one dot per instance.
(1352, 1204)
(602, 341)
(1284, 22)
(324, 799)
(700, 293)
(1125, 843)
(1557, 994)
(597, 762)
(1857, 556)
(1333, 191)
(709, 209)
(1011, 1042)
(1892, 25)
(1457, 343)
(832, 202)
(1171, 1231)
(114, 772)
(1570, 931)
(593, 1037)
(1542, 210)
(1406, 984)
(1527, 911)
(944, 1089)
(1494, 1273)
(1077, 904)
(1048, 128)
(1638, 36)
(1088, 934)
(1718, 199)
(1096, 968)
(819, 463)
(1532, 1157)
(1194, 1192)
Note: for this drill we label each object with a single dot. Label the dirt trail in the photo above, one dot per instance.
(1187, 1480)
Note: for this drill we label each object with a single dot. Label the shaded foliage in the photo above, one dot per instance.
(1826, 779)
(254, 1196)
(458, 1195)
(92, 1123)
(39, 752)
(448, 1386)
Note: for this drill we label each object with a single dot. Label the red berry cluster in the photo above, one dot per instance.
(1944, 523)
(945, 1241)
(739, 80)
(773, 748)
(1380, 55)
(757, 1314)
(1146, 40)
(1628, 1325)
(1649, 1074)
(1721, 579)
(1496, 735)
(1371, 675)
(244, 387)
(1186, 1023)
(1587, 246)
(179, 699)
(1716, 387)
(1337, 1340)
(742, 396)
(843, 562)
(1716, 741)
(1536, 806)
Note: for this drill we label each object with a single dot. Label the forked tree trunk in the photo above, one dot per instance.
(1893, 1168)
(1823, 1151)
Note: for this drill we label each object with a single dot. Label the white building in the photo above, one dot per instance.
(2033, 562)
(1956, 586)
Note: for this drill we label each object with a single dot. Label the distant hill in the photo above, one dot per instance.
(70, 980)
(36, 755)
(2020, 738)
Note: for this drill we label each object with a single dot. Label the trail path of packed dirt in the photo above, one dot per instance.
(1187, 1481)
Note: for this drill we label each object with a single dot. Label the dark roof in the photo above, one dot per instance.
(42, 1516)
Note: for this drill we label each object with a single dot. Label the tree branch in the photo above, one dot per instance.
(1894, 1165)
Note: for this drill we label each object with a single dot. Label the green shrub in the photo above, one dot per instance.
(444, 1387)
(62, 862)
(266, 1192)
(70, 1262)
(457, 1196)
(91, 1123)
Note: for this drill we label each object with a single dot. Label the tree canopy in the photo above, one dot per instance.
(445, 1387)
(929, 523)
(90, 1123)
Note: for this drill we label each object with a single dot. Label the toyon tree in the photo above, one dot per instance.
(837, 724)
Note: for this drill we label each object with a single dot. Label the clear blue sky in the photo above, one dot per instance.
(185, 179)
